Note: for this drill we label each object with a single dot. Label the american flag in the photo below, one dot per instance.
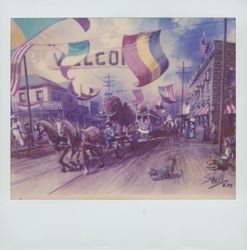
(138, 95)
(166, 92)
(16, 60)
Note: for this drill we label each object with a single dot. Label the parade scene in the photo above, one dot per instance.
(123, 108)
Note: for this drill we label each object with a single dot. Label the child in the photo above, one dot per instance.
(221, 162)
(167, 172)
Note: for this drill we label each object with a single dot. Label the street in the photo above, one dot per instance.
(39, 176)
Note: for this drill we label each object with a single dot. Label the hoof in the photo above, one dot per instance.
(101, 165)
(85, 172)
(63, 170)
(71, 169)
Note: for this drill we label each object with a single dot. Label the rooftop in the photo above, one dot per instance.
(37, 81)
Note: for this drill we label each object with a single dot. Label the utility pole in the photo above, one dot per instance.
(183, 72)
(222, 89)
(108, 80)
(28, 98)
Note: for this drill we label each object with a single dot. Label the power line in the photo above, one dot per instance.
(115, 36)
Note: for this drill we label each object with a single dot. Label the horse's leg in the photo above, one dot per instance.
(100, 155)
(84, 161)
(73, 151)
(61, 156)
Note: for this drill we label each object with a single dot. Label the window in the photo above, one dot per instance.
(56, 96)
(40, 95)
(22, 97)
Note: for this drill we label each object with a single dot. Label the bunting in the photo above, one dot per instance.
(33, 106)
(144, 56)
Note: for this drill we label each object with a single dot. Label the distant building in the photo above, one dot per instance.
(205, 86)
(48, 100)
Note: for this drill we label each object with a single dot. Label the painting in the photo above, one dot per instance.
(123, 108)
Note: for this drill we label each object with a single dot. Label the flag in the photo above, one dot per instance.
(144, 56)
(16, 60)
(139, 97)
(76, 53)
(166, 93)
(92, 93)
(64, 70)
(25, 29)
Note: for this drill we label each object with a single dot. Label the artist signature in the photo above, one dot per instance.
(217, 180)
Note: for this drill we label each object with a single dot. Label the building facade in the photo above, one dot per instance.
(206, 88)
(50, 100)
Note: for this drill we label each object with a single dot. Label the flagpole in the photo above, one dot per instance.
(28, 97)
(222, 89)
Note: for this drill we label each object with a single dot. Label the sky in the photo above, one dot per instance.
(180, 41)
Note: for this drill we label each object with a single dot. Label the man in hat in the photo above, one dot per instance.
(16, 129)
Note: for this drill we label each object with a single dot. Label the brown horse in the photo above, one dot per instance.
(55, 140)
(82, 140)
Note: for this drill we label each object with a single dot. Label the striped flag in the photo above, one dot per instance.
(166, 93)
(138, 95)
(144, 56)
(16, 60)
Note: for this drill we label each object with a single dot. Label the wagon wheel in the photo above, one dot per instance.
(120, 150)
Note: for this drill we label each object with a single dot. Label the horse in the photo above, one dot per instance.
(82, 140)
(27, 138)
(56, 140)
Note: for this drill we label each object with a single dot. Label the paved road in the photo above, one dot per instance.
(39, 176)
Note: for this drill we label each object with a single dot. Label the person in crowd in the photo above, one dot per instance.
(168, 171)
(144, 129)
(206, 132)
(213, 133)
(109, 135)
(16, 129)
